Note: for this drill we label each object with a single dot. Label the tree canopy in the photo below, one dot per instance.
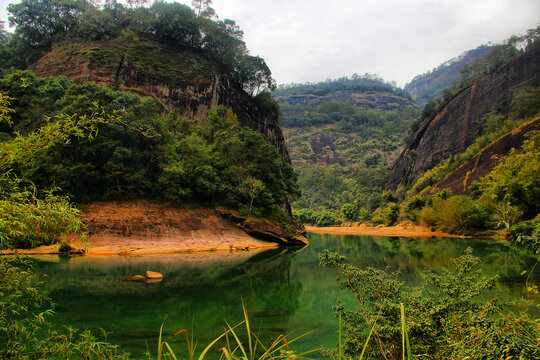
(41, 23)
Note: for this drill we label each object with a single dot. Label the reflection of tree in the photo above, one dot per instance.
(194, 297)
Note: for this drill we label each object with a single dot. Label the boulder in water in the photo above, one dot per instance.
(153, 275)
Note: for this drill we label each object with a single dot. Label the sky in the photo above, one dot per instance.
(315, 40)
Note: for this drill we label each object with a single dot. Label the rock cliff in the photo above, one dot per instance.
(482, 164)
(369, 100)
(182, 80)
(458, 122)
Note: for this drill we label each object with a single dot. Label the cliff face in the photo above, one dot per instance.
(458, 122)
(185, 81)
(370, 100)
(484, 162)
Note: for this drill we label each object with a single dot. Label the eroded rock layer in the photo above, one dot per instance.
(458, 122)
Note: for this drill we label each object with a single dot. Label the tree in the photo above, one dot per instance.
(40, 21)
(253, 74)
(203, 8)
(136, 3)
(251, 188)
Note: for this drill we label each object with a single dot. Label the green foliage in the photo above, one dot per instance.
(41, 24)
(364, 83)
(411, 208)
(526, 103)
(29, 219)
(445, 315)
(326, 217)
(526, 234)
(350, 211)
(387, 214)
(124, 148)
(26, 317)
(516, 179)
(457, 215)
(340, 149)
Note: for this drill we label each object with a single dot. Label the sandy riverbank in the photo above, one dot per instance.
(146, 228)
(400, 230)
(143, 247)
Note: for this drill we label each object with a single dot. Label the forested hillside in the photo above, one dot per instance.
(431, 84)
(343, 136)
(473, 165)
(90, 136)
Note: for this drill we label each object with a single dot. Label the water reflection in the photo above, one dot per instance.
(284, 289)
(199, 292)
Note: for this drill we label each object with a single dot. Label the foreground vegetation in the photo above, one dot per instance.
(28, 329)
(445, 316)
(449, 316)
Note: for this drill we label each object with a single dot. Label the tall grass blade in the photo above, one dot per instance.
(238, 341)
(339, 339)
(160, 345)
(405, 335)
(370, 333)
(203, 354)
(171, 352)
(248, 331)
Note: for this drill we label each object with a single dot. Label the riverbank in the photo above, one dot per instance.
(400, 230)
(145, 228)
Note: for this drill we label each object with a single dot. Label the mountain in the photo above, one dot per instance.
(342, 136)
(431, 84)
(458, 122)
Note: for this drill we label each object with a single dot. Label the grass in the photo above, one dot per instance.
(406, 346)
(237, 347)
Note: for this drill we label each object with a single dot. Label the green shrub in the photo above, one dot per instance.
(457, 215)
(327, 217)
(411, 208)
(386, 215)
(446, 316)
(350, 211)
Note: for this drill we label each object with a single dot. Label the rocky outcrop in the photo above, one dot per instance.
(178, 79)
(265, 230)
(145, 227)
(458, 122)
(369, 100)
(482, 164)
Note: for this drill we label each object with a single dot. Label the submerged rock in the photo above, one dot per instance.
(136, 278)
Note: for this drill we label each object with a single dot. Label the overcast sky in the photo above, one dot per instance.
(312, 40)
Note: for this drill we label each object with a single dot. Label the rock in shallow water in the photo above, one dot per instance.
(153, 275)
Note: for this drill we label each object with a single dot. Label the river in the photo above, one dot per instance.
(284, 290)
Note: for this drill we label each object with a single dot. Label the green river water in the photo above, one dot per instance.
(283, 289)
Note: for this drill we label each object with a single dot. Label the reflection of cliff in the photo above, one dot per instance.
(197, 293)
